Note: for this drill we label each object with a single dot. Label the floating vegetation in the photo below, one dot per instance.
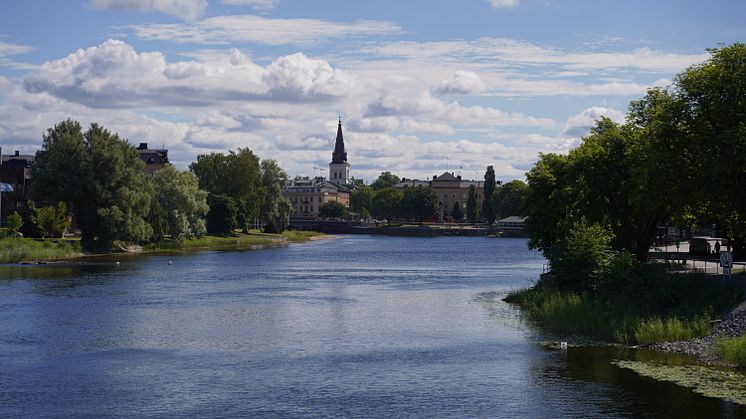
(707, 381)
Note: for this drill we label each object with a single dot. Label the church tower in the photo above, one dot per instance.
(339, 169)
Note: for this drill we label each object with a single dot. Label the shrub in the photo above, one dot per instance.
(580, 260)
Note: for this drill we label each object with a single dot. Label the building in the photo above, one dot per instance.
(309, 195)
(154, 159)
(513, 221)
(15, 170)
(450, 189)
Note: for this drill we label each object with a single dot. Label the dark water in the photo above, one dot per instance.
(359, 326)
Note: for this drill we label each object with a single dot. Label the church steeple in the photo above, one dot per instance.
(339, 155)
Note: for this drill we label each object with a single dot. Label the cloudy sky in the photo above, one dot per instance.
(421, 85)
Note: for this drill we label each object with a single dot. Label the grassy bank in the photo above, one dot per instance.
(14, 250)
(254, 238)
(667, 307)
(733, 350)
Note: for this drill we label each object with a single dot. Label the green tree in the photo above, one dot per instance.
(183, 202)
(420, 203)
(386, 204)
(456, 212)
(361, 200)
(15, 222)
(101, 176)
(221, 218)
(276, 208)
(333, 209)
(53, 220)
(472, 205)
(236, 174)
(488, 204)
(510, 199)
(385, 180)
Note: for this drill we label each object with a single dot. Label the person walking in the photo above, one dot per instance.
(717, 247)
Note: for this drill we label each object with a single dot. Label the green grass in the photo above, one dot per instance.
(297, 236)
(14, 250)
(240, 239)
(676, 307)
(733, 350)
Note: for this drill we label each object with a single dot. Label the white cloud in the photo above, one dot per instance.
(254, 4)
(247, 28)
(184, 9)
(503, 3)
(462, 83)
(114, 75)
(579, 125)
(7, 49)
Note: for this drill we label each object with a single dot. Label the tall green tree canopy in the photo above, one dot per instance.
(386, 204)
(183, 202)
(420, 203)
(361, 199)
(333, 209)
(472, 205)
(510, 198)
(101, 176)
(276, 208)
(488, 205)
(385, 180)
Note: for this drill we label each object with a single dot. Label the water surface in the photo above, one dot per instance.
(357, 326)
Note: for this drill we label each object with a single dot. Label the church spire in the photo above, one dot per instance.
(339, 155)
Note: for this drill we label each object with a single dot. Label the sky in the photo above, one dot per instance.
(422, 87)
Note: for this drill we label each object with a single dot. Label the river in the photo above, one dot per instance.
(357, 326)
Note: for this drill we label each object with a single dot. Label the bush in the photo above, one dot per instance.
(733, 350)
(580, 261)
(221, 219)
(333, 209)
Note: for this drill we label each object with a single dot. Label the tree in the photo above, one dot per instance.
(236, 174)
(276, 208)
(333, 209)
(420, 203)
(509, 199)
(456, 212)
(53, 220)
(472, 207)
(221, 218)
(183, 202)
(101, 176)
(361, 199)
(15, 221)
(385, 180)
(488, 204)
(386, 204)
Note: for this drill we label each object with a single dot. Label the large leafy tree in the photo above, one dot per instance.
(488, 204)
(237, 175)
(100, 176)
(385, 180)
(276, 208)
(472, 205)
(509, 199)
(183, 202)
(361, 199)
(420, 203)
(333, 209)
(386, 204)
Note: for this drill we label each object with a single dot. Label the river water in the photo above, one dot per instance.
(352, 327)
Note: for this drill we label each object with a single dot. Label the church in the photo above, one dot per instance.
(309, 195)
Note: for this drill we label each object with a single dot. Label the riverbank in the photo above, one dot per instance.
(684, 313)
(25, 250)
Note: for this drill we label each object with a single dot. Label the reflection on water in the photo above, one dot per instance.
(360, 326)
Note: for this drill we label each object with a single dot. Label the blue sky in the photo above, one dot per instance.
(422, 86)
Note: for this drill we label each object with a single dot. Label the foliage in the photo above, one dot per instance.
(276, 208)
(580, 260)
(21, 250)
(488, 204)
(183, 203)
(15, 221)
(333, 209)
(385, 180)
(419, 203)
(456, 212)
(361, 200)
(101, 176)
(237, 175)
(472, 209)
(510, 199)
(733, 350)
(53, 220)
(386, 204)
(221, 217)
(28, 214)
(656, 329)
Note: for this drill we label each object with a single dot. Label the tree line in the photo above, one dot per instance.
(678, 160)
(97, 178)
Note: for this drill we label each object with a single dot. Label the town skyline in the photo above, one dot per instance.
(420, 90)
